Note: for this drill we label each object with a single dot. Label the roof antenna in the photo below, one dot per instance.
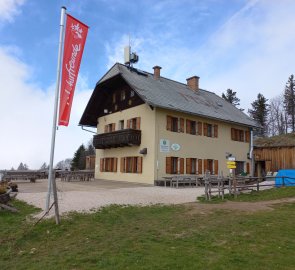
(129, 57)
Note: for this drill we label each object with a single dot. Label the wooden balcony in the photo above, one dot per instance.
(119, 138)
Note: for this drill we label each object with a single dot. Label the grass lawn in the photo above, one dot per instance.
(156, 237)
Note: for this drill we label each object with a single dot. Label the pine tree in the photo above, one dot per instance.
(231, 97)
(21, 167)
(289, 101)
(259, 113)
(79, 159)
(90, 149)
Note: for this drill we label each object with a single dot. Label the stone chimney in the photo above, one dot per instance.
(193, 83)
(157, 70)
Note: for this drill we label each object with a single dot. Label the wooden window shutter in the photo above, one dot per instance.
(128, 123)
(233, 134)
(101, 164)
(169, 123)
(113, 126)
(168, 165)
(188, 165)
(199, 128)
(122, 164)
(236, 135)
(188, 126)
(181, 165)
(138, 123)
(181, 125)
(248, 168)
(105, 128)
(205, 165)
(216, 167)
(242, 135)
(205, 129)
(216, 131)
(139, 164)
(115, 164)
(200, 167)
(247, 136)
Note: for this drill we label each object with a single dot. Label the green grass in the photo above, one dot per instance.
(156, 237)
(254, 196)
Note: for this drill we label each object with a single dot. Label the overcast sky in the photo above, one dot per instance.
(247, 46)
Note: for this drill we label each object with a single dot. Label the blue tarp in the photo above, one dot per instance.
(287, 180)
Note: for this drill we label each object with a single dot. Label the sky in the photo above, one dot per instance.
(247, 46)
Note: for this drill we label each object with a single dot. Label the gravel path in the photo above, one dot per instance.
(85, 201)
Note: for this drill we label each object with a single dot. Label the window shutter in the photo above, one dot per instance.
(188, 162)
(216, 131)
(200, 169)
(122, 164)
(113, 126)
(233, 134)
(168, 165)
(139, 164)
(115, 164)
(128, 123)
(105, 128)
(181, 165)
(205, 165)
(138, 123)
(247, 136)
(247, 167)
(188, 126)
(181, 125)
(236, 135)
(216, 167)
(199, 128)
(101, 164)
(242, 135)
(169, 123)
(205, 129)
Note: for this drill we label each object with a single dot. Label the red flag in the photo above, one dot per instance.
(75, 38)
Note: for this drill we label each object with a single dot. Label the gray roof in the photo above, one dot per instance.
(172, 95)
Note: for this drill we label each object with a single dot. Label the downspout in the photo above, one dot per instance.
(251, 154)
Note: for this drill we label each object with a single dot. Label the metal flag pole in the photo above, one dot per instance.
(51, 179)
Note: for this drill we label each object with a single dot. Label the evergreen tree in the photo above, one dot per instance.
(289, 101)
(259, 113)
(79, 159)
(44, 166)
(21, 167)
(90, 149)
(231, 97)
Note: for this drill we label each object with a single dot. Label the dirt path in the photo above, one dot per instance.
(240, 206)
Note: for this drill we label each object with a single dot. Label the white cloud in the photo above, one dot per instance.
(9, 9)
(26, 113)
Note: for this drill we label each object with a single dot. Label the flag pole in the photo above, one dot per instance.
(51, 178)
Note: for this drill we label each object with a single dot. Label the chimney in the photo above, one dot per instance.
(193, 83)
(157, 70)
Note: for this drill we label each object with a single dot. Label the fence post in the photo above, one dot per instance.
(257, 183)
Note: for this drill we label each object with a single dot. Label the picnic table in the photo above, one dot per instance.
(180, 180)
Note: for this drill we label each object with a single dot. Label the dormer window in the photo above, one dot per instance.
(123, 95)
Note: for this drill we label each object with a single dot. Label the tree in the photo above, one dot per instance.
(79, 159)
(231, 97)
(22, 166)
(289, 101)
(259, 113)
(44, 166)
(64, 164)
(90, 149)
(277, 123)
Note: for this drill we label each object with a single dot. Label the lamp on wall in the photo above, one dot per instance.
(143, 151)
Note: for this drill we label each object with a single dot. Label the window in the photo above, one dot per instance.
(131, 165)
(134, 123)
(114, 98)
(240, 135)
(121, 124)
(175, 124)
(132, 93)
(194, 166)
(211, 165)
(191, 127)
(174, 165)
(108, 164)
(123, 95)
(240, 167)
(210, 130)
(110, 127)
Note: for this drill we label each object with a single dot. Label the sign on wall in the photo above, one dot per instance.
(164, 146)
(175, 146)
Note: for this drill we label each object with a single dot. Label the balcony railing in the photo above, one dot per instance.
(119, 138)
